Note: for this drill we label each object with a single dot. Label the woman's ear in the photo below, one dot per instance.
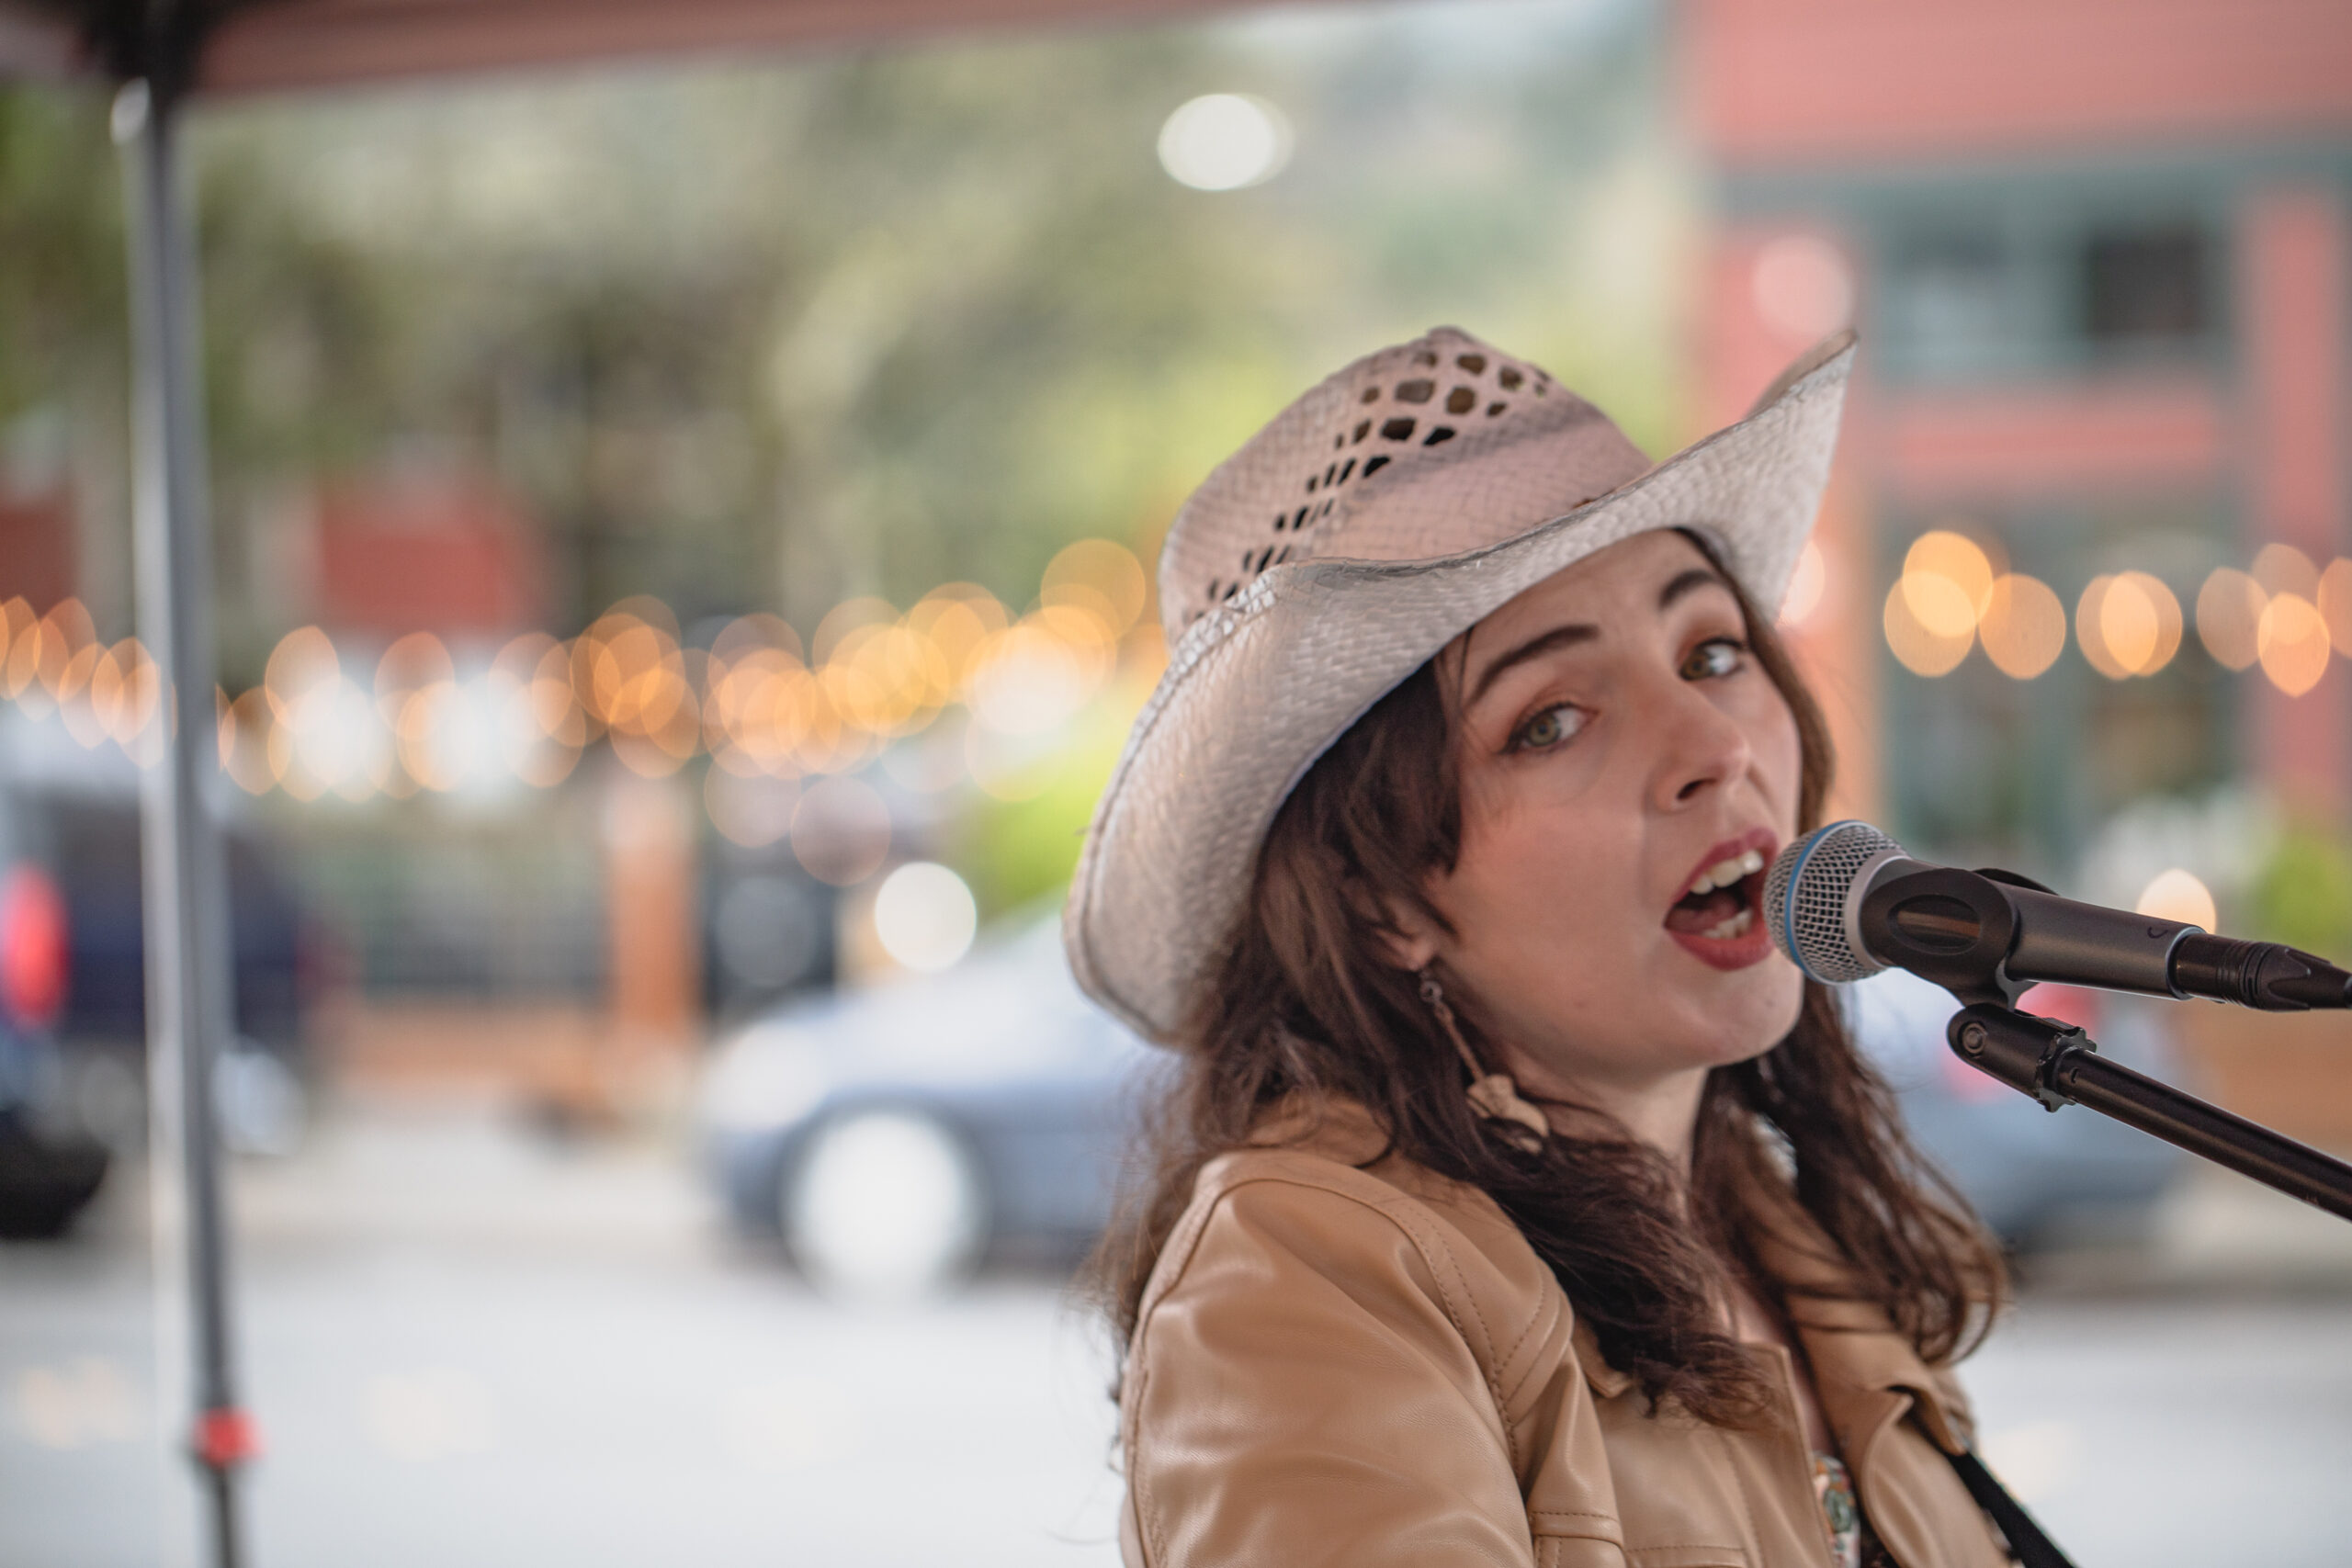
(1409, 937)
(1406, 928)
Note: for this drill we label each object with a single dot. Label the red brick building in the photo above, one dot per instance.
(2100, 252)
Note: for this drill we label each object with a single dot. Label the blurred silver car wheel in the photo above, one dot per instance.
(884, 1204)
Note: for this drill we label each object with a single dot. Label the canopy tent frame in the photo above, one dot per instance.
(185, 913)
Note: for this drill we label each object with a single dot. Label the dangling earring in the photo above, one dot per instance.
(1492, 1095)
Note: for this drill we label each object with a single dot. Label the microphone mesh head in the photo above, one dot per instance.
(1805, 899)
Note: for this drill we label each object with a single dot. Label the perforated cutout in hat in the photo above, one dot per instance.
(1338, 473)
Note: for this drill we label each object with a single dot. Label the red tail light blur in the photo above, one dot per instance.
(34, 954)
(2067, 1004)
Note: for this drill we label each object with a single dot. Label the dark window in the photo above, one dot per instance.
(2145, 286)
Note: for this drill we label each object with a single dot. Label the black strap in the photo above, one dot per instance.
(2027, 1543)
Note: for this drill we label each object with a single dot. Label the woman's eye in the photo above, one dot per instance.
(1716, 656)
(1549, 727)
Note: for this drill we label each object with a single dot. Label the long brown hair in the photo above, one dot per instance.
(1305, 1004)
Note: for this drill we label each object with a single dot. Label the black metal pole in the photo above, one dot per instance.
(2059, 1065)
(187, 907)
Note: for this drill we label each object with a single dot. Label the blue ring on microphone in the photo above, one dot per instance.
(1788, 895)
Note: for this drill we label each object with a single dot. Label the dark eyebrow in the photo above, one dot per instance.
(1688, 582)
(1683, 583)
(1534, 648)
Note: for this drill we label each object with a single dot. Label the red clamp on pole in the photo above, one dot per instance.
(226, 1438)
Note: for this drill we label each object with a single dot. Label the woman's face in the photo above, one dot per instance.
(1628, 771)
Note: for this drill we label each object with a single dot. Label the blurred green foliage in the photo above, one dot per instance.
(2302, 895)
(1015, 852)
(766, 336)
(62, 324)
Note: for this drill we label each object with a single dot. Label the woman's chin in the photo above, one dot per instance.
(1748, 1012)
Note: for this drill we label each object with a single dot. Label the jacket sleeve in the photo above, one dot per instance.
(1302, 1391)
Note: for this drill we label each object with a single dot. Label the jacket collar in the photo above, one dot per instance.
(1856, 1355)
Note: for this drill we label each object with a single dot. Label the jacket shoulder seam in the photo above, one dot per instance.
(1433, 1252)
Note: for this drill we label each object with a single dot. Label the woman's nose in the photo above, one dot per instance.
(1703, 748)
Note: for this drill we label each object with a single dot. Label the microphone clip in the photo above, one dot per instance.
(2027, 1053)
(1949, 926)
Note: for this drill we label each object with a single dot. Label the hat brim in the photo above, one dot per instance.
(1257, 690)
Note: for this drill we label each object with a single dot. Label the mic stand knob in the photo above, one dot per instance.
(2029, 1053)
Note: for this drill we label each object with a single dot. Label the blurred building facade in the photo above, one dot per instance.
(2100, 256)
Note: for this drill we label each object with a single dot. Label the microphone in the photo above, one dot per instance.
(1845, 902)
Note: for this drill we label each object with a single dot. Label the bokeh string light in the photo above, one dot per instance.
(2024, 626)
(767, 709)
(426, 717)
(2285, 616)
(2229, 617)
(2129, 624)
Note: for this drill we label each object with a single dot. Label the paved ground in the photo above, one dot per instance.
(470, 1348)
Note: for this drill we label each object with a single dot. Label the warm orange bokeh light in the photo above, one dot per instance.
(1099, 576)
(2133, 628)
(2127, 624)
(1954, 558)
(2177, 894)
(304, 659)
(2335, 604)
(1921, 647)
(2024, 626)
(2283, 569)
(958, 619)
(2229, 616)
(2292, 642)
(764, 716)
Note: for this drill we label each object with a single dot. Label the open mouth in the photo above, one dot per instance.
(1724, 900)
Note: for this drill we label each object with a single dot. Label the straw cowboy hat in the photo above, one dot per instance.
(1376, 519)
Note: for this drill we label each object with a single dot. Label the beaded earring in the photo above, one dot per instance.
(1493, 1095)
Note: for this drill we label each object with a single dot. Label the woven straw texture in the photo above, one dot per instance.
(1307, 577)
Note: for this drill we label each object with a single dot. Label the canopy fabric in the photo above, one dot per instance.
(258, 45)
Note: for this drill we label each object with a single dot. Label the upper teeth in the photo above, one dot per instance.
(1724, 872)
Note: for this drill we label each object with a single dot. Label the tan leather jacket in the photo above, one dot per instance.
(1337, 1365)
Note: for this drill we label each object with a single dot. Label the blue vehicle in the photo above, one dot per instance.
(2025, 1171)
(51, 1167)
(73, 990)
(895, 1138)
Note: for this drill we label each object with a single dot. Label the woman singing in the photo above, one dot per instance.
(1517, 1203)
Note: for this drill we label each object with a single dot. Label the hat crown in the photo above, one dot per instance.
(1380, 462)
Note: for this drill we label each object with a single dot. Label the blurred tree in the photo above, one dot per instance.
(768, 335)
(61, 303)
(772, 336)
(2302, 895)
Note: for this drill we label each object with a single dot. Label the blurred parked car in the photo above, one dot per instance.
(74, 1005)
(895, 1138)
(2027, 1171)
(49, 1165)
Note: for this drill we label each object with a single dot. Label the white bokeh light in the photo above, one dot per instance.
(1804, 286)
(924, 916)
(1225, 141)
(2178, 895)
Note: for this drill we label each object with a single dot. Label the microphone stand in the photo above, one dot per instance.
(2057, 1063)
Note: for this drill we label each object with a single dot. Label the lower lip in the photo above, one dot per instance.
(1733, 952)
